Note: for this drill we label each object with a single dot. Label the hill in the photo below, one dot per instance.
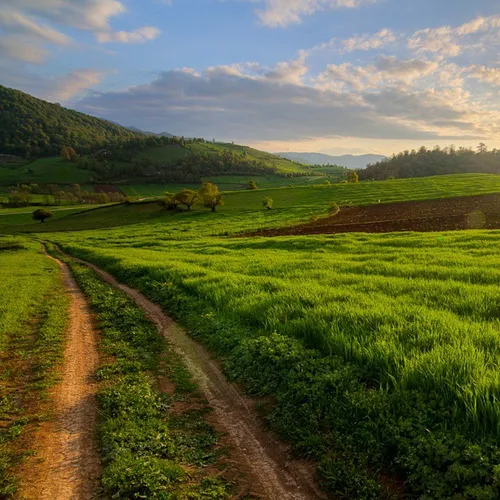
(31, 127)
(426, 162)
(348, 161)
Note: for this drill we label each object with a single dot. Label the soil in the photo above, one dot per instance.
(66, 465)
(269, 470)
(447, 214)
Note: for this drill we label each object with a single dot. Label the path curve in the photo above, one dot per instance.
(270, 471)
(67, 465)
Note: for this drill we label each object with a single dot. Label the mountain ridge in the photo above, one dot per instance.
(348, 161)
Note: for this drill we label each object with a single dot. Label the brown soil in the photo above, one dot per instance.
(66, 465)
(448, 214)
(269, 471)
(107, 188)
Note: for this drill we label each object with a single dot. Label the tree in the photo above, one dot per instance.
(170, 201)
(41, 214)
(210, 196)
(187, 197)
(252, 185)
(352, 177)
(267, 203)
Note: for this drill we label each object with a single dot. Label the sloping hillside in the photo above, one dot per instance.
(31, 127)
(348, 161)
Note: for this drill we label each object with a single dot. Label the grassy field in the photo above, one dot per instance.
(148, 450)
(24, 216)
(381, 353)
(243, 209)
(45, 171)
(32, 321)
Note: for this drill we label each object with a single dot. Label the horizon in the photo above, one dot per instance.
(332, 76)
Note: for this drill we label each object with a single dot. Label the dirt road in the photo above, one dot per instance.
(269, 470)
(66, 465)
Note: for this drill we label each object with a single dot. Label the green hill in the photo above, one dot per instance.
(31, 127)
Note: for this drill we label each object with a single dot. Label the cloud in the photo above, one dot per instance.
(369, 42)
(282, 13)
(139, 35)
(17, 47)
(447, 40)
(44, 21)
(245, 104)
(59, 88)
(485, 74)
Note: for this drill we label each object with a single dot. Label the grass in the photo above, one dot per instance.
(53, 170)
(23, 216)
(33, 316)
(382, 351)
(148, 451)
(243, 209)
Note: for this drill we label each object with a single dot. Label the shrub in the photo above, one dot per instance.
(252, 185)
(267, 203)
(334, 208)
(41, 214)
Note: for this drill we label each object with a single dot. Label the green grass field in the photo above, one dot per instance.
(45, 171)
(381, 352)
(33, 315)
(243, 209)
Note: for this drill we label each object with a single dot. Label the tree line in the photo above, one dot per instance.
(438, 161)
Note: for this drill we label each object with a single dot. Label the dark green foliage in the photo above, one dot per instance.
(41, 214)
(32, 128)
(426, 162)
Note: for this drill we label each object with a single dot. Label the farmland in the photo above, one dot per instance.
(376, 356)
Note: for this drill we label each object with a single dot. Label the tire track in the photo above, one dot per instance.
(67, 464)
(270, 472)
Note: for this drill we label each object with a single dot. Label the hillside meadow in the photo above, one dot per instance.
(243, 210)
(380, 353)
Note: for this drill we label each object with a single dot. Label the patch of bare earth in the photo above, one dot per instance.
(269, 471)
(66, 464)
(447, 214)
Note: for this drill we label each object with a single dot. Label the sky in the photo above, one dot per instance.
(330, 76)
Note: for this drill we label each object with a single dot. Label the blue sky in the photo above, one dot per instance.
(335, 76)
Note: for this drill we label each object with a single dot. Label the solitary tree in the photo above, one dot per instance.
(210, 196)
(187, 197)
(170, 201)
(352, 177)
(41, 214)
(267, 203)
(252, 185)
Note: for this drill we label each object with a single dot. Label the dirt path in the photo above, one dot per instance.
(67, 463)
(270, 472)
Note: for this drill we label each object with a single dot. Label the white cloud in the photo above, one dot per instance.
(139, 35)
(485, 74)
(243, 103)
(449, 41)
(44, 21)
(368, 42)
(74, 83)
(281, 13)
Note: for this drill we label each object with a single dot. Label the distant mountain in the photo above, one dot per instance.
(33, 127)
(147, 132)
(348, 161)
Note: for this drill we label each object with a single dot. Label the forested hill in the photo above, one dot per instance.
(427, 162)
(31, 127)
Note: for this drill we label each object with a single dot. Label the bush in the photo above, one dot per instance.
(41, 214)
(334, 208)
(267, 203)
(252, 185)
